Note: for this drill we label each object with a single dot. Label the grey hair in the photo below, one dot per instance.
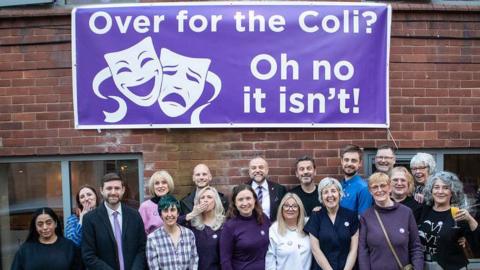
(424, 159)
(450, 179)
(327, 181)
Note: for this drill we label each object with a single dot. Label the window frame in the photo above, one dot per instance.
(65, 172)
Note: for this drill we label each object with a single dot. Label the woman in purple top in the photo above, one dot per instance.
(244, 238)
(206, 222)
(399, 222)
(160, 184)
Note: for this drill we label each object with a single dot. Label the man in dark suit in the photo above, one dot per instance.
(201, 177)
(113, 233)
(258, 171)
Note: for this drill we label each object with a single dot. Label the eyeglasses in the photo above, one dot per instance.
(383, 157)
(418, 168)
(381, 186)
(291, 206)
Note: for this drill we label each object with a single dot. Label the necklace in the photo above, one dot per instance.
(292, 228)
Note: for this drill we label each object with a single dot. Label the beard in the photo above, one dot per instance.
(349, 174)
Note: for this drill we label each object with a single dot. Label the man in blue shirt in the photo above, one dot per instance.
(357, 197)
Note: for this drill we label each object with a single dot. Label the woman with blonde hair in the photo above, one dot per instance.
(388, 231)
(333, 230)
(206, 221)
(289, 246)
(403, 186)
(159, 184)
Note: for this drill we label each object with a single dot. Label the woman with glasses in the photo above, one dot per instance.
(333, 231)
(388, 232)
(402, 189)
(443, 221)
(289, 246)
(422, 165)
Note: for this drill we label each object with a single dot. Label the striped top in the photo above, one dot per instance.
(73, 230)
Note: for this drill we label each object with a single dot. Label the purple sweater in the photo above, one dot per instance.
(244, 243)
(373, 250)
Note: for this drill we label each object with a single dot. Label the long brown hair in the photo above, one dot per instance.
(97, 200)
(257, 209)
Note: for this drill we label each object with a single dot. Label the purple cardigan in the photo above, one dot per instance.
(373, 250)
(150, 216)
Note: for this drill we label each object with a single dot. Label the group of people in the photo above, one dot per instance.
(392, 220)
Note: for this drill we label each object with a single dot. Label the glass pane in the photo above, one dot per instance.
(25, 187)
(91, 173)
(466, 167)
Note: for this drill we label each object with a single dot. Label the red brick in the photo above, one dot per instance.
(47, 116)
(253, 136)
(303, 135)
(265, 145)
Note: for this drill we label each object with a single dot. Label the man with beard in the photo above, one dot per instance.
(201, 177)
(113, 233)
(385, 159)
(305, 171)
(269, 194)
(356, 195)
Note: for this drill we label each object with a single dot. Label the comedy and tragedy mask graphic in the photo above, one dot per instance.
(175, 81)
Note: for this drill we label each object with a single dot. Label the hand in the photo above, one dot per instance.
(199, 209)
(316, 209)
(462, 242)
(462, 214)
(418, 197)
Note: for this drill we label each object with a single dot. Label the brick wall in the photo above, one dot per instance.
(434, 98)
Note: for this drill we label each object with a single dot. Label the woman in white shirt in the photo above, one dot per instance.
(289, 246)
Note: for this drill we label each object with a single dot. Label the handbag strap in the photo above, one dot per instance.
(388, 240)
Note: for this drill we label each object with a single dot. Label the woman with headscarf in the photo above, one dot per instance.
(443, 221)
(289, 246)
(333, 230)
(45, 247)
(87, 199)
(159, 184)
(388, 232)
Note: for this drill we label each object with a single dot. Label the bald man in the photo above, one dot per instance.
(201, 177)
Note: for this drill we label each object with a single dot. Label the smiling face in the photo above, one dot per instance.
(208, 197)
(420, 173)
(160, 186)
(384, 160)
(245, 202)
(400, 185)
(305, 172)
(330, 196)
(45, 226)
(258, 169)
(380, 191)
(351, 163)
(290, 210)
(137, 72)
(170, 216)
(441, 192)
(183, 82)
(87, 197)
(112, 192)
(201, 176)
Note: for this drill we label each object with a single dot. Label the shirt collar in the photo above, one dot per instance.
(264, 185)
(110, 211)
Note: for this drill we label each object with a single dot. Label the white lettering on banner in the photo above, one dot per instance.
(197, 23)
(285, 66)
(337, 70)
(276, 23)
(309, 20)
(101, 23)
(258, 97)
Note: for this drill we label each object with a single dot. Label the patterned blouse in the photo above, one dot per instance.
(73, 230)
(162, 254)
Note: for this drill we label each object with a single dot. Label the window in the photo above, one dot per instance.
(30, 183)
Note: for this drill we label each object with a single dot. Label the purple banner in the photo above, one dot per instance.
(235, 64)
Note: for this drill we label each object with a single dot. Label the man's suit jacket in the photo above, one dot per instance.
(276, 192)
(186, 204)
(99, 248)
